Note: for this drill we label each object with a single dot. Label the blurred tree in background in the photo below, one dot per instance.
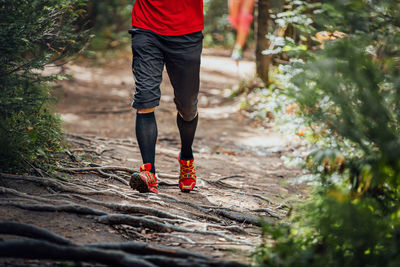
(263, 21)
(32, 35)
(110, 21)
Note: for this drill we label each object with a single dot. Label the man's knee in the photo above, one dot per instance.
(188, 115)
(146, 110)
(187, 109)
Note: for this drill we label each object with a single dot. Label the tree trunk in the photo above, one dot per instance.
(261, 30)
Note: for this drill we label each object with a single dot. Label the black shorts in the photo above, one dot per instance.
(181, 56)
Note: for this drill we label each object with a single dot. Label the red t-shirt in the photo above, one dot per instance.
(169, 17)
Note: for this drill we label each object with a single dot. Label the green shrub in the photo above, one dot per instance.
(334, 230)
(32, 35)
(346, 95)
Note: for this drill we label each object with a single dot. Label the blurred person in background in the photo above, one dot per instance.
(166, 33)
(241, 17)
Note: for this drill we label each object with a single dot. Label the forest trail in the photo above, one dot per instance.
(240, 172)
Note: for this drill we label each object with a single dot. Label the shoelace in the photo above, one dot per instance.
(151, 179)
(188, 171)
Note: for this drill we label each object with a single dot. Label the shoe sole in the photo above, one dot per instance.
(186, 189)
(138, 184)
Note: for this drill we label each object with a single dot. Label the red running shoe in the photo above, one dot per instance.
(144, 181)
(187, 177)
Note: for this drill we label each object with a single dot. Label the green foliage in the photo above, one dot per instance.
(110, 21)
(352, 95)
(32, 35)
(334, 230)
(218, 30)
(342, 96)
(294, 24)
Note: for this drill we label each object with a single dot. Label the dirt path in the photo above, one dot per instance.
(241, 175)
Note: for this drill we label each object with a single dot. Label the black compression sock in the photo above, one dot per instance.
(146, 134)
(187, 129)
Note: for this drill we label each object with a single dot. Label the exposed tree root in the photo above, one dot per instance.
(190, 241)
(113, 176)
(232, 228)
(9, 191)
(155, 219)
(81, 137)
(126, 208)
(143, 248)
(219, 184)
(190, 262)
(28, 230)
(168, 198)
(34, 249)
(238, 218)
(78, 209)
(101, 171)
(53, 247)
(217, 211)
(113, 168)
(164, 220)
(206, 217)
(113, 219)
(63, 187)
(269, 212)
(102, 168)
(152, 222)
(129, 208)
(220, 212)
(96, 151)
(258, 196)
(56, 185)
(160, 227)
(224, 178)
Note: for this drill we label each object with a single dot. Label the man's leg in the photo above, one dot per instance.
(233, 8)
(244, 22)
(245, 17)
(187, 130)
(146, 135)
(147, 66)
(183, 67)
